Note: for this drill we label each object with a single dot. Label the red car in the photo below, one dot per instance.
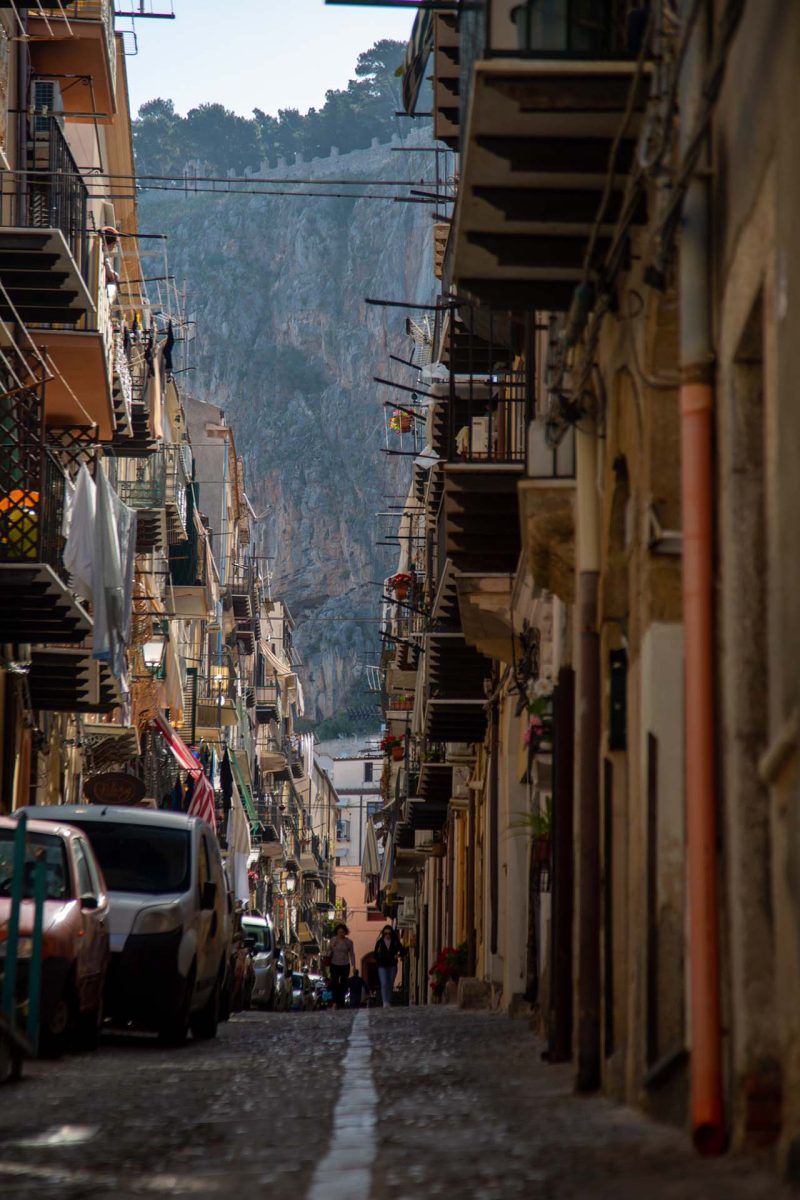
(75, 944)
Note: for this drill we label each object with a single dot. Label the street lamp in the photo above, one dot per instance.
(290, 882)
(154, 651)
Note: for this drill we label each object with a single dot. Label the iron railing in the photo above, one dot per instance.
(188, 561)
(52, 194)
(145, 488)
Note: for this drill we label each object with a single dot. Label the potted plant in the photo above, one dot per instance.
(400, 584)
(400, 422)
(392, 746)
(450, 965)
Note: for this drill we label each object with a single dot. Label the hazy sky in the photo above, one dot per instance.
(248, 54)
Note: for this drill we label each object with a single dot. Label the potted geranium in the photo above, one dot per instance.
(400, 584)
(450, 965)
(392, 746)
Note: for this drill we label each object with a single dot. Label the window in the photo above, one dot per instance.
(57, 878)
(84, 878)
(142, 859)
(343, 831)
(368, 772)
(253, 929)
(203, 867)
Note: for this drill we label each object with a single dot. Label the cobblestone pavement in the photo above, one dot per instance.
(465, 1109)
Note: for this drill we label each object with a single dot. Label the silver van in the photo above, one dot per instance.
(259, 935)
(169, 918)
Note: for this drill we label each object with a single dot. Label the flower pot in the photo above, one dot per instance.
(400, 591)
(397, 753)
(401, 422)
(541, 849)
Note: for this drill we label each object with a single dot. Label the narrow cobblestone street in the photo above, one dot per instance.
(252, 1114)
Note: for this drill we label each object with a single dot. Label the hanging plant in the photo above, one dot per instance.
(400, 422)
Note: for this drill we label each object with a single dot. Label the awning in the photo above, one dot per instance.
(370, 861)
(387, 870)
(202, 804)
(418, 51)
(277, 664)
(244, 789)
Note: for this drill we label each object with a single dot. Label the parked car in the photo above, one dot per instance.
(75, 942)
(258, 932)
(241, 975)
(302, 992)
(283, 984)
(168, 916)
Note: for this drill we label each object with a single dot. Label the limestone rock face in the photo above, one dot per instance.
(287, 347)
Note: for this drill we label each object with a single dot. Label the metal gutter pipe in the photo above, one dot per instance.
(697, 471)
(588, 732)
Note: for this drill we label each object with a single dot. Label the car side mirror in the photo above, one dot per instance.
(90, 902)
(208, 897)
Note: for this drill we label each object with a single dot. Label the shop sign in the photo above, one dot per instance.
(115, 787)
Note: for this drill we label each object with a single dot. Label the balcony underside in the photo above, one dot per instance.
(485, 604)
(435, 785)
(481, 517)
(67, 680)
(427, 816)
(192, 601)
(139, 441)
(81, 389)
(547, 516)
(42, 279)
(151, 530)
(77, 48)
(36, 607)
(536, 152)
(455, 720)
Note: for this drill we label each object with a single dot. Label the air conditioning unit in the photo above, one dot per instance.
(46, 103)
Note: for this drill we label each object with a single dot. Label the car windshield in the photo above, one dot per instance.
(297, 981)
(57, 885)
(145, 859)
(259, 932)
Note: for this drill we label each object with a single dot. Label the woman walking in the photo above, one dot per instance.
(388, 949)
(343, 957)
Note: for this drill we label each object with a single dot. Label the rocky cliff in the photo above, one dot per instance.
(286, 345)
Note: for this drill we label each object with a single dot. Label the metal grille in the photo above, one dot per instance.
(21, 491)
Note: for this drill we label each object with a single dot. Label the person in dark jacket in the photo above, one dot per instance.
(356, 988)
(388, 949)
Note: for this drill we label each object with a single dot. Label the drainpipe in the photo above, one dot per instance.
(588, 714)
(697, 469)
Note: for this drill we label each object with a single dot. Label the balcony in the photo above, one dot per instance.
(68, 679)
(78, 42)
(547, 511)
(193, 587)
(268, 702)
(36, 606)
(543, 95)
(44, 246)
(142, 485)
(446, 79)
(178, 460)
(82, 358)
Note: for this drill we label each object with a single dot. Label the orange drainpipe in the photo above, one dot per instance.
(697, 410)
(697, 498)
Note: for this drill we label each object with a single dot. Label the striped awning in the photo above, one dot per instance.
(418, 51)
(202, 804)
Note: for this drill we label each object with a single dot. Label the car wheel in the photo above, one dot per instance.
(204, 1024)
(269, 1003)
(225, 1005)
(56, 1031)
(247, 996)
